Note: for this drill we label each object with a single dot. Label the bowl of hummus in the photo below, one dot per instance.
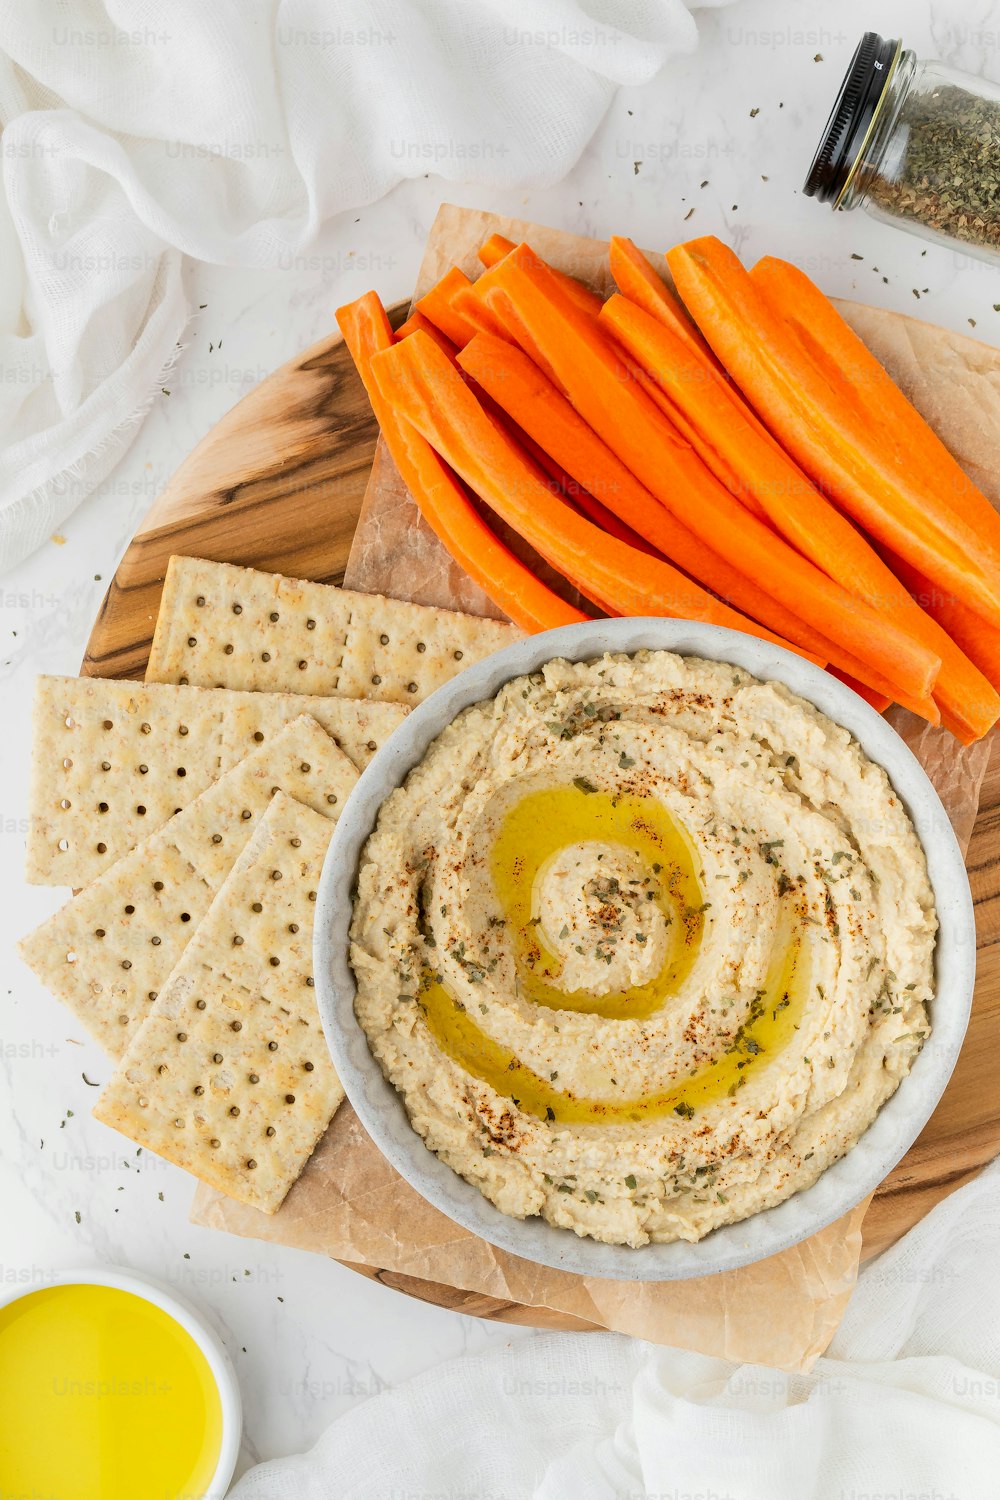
(644, 949)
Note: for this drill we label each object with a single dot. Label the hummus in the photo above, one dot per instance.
(644, 944)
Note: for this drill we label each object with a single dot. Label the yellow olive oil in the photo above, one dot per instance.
(535, 829)
(103, 1396)
(545, 822)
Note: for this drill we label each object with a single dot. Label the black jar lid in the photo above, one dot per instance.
(851, 118)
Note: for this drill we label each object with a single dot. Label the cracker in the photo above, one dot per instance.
(112, 761)
(224, 626)
(229, 1075)
(108, 952)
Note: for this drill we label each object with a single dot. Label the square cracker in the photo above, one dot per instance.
(224, 626)
(107, 953)
(229, 1075)
(112, 761)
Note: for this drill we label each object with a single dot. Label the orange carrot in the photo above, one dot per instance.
(636, 280)
(437, 306)
(841, 355)
(416, 321)
(497, 247)
(522, 390)
(715, 426)
(824, 430)
(441, 498)
(637, 430)
(422, 388)
(494, 249)
(473, 307)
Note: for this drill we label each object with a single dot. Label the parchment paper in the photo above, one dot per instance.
(349, 1203)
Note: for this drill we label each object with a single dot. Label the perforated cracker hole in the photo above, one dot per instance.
(246, 815)
(265, 656)
(105, 765)
(384, 639)
(143, 770)
(199, 1005)
(237, 941)
(185, 916)
(102, 848)
(98, 932)
(108, 724)
(458, 655)
(270, 1130)
(310, 624)
(182, 770)
(272, 1046)
(102, 807)
(421, 646)
(253, 1078)
(228, 650)
(68, 764)
(274, 616)
(141, 810)
(293, 926)
(198, 1089)
(65, 803)
(411, 687)
(308, 1067)
(274, 961)
(157, 885)
(63, 845)
(237, 609)
(331, 797)
(216, 838)
(182, 729)
(234, 1110)
(258, 736)
(251, 1165)
(256, 906)
(146, 728)
(182, 1036)
(289, 1098)
(129, 910)
(236, 1025)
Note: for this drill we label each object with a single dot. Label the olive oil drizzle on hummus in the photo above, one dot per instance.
(534, 831)
(769, 1028)
(544, 823)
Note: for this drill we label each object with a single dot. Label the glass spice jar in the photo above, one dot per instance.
(916, 144)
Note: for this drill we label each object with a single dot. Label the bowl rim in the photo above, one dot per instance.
(194, 1325)
(845, 1183)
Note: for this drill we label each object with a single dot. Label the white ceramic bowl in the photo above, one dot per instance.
(842, 1185)
(195, 1325)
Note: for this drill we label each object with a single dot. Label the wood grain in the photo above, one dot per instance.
(278, 484)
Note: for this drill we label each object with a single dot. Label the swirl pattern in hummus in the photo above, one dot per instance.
(644, 944)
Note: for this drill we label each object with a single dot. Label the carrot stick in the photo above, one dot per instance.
(637, 430)
(442, 501)
(437, 306)
(422, 388)
(416, 321)
(494, 249)
(636, 279)
(715, 426)
(522, 390)
(847, 455)
(473, 307)
(498, 246)
(839, 353)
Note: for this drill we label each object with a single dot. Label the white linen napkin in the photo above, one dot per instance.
(905, 1406)
(229, 130)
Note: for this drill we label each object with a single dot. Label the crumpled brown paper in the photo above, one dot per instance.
(349, 1203)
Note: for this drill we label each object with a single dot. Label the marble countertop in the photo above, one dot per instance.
(718, 143)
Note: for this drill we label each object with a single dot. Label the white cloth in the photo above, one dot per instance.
(229, 130)
(905, 1406)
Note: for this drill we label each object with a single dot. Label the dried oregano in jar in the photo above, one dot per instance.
(917, 144)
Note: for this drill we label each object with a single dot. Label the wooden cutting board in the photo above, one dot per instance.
(278, 484)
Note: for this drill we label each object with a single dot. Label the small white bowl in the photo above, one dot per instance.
(844, 1184)
(195, 1326)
